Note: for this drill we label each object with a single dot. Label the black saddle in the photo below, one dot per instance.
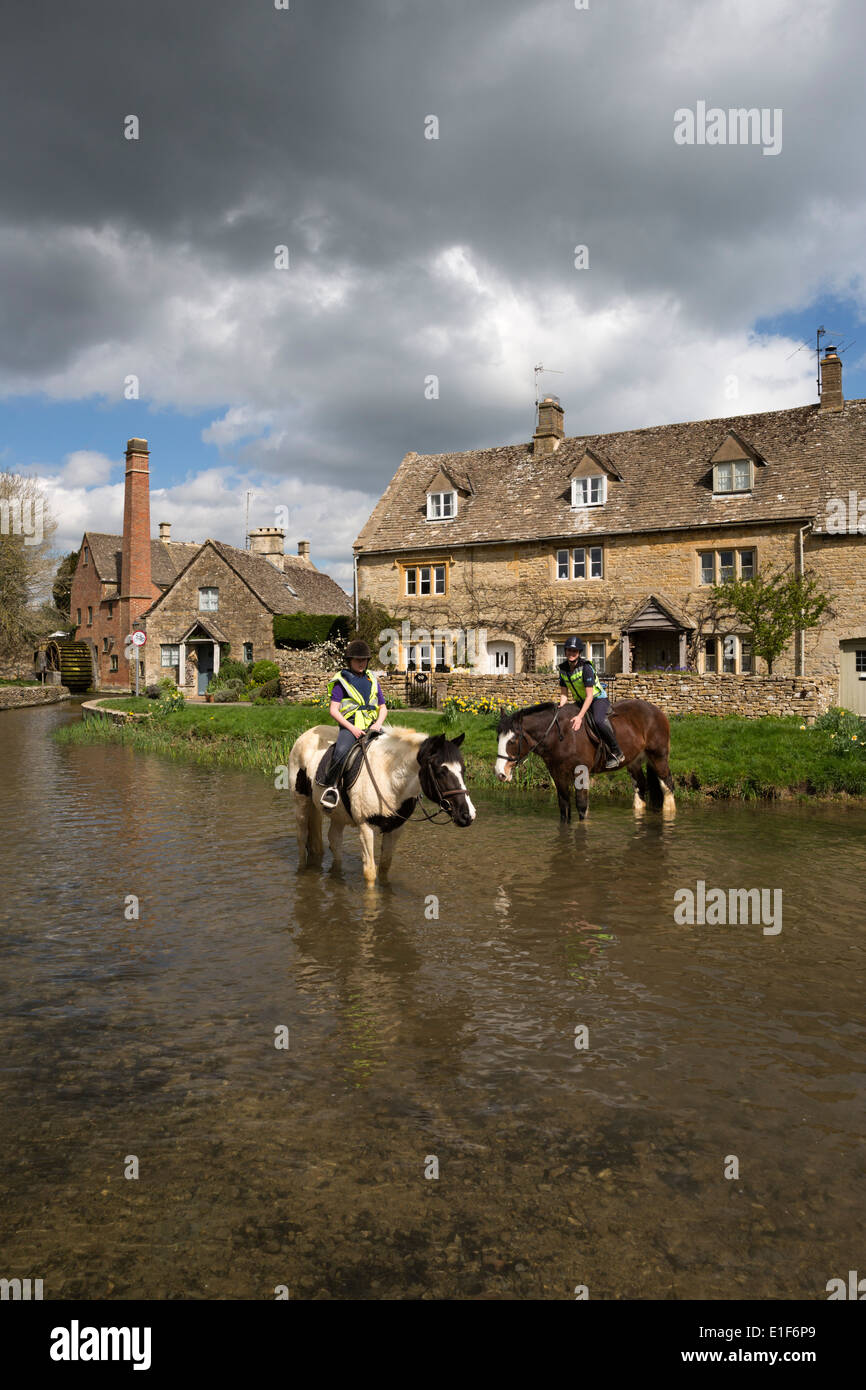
(350, 771)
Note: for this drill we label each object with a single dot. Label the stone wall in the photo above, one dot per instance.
(677, 692)
(19, 696)
(303, 678)
(20, 670)
(750, 696)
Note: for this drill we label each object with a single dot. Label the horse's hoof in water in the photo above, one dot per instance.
(669, 809)
(639, 805)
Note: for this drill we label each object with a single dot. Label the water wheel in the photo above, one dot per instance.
(72, 660)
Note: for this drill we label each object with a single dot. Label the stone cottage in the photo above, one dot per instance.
(197, 602)
(620, 537)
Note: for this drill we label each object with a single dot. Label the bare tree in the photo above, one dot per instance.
(26, 564)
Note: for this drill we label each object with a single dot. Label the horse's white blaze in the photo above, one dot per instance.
(502, 757)
(455, 769)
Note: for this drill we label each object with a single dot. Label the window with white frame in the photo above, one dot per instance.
(169, 654)
(860, 661)
(735, 476)
(585, 562)
(598, 655)
(589, 492)
(441, 506)
(424, 580)
(208, 600)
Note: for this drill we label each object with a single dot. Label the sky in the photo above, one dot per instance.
(144, 294)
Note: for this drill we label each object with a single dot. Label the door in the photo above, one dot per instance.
(501, 658)
(852, 673)
(205, 666)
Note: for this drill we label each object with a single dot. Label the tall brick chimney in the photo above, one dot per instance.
(831, 381)
(136, 588)
(551, 426)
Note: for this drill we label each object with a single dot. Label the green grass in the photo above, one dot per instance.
(19, 681)
(745, 759)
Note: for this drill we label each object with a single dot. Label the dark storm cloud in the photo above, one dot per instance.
(306, 127)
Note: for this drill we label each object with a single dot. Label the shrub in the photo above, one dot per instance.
(153, 692)
(225, 695)
(166, 683)
(269, 691)
(232, 671)
(309, 629)
(264, 671)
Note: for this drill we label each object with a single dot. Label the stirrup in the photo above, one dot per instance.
(330, 799)
(613, 760)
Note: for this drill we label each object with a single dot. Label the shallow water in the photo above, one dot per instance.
(412, 1039)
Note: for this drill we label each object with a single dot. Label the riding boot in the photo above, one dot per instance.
(617, 757)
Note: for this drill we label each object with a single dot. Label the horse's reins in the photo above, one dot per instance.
(395, 811)
(522, 734)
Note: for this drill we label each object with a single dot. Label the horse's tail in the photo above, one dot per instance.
(655, 790)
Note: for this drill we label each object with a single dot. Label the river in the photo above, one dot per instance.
(417, 1043)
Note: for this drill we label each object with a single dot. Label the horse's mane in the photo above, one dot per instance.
(507, 721)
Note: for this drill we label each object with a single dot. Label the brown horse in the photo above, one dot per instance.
(642, 730)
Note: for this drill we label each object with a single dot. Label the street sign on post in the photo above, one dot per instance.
(138, 639)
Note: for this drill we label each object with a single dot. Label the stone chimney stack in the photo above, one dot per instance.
(269, 541)
(304, 551)
(136, 589)
(551, 426)
(831, 381)
(165, 530)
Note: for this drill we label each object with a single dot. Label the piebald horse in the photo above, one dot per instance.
(642, 731)
(400, 765)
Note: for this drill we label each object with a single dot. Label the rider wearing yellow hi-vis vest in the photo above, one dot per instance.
(358, 706)
(578, 683)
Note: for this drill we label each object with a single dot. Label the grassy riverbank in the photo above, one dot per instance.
(744, 759)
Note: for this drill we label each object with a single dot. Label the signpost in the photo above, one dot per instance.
(138, 639)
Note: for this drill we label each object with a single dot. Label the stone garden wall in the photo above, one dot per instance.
(677, 692)
(18, 696)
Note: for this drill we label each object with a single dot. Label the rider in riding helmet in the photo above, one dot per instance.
(358, 706)
(579, 683)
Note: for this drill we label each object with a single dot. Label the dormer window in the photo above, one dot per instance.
(733, 476)
(590, 491)
(441, 506)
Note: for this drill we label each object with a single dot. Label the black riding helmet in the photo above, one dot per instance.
(574, 644)
(358, 650)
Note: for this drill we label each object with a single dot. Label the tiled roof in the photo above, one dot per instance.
(298, 588)
(811, 455)
(311, 591)
(167, 558)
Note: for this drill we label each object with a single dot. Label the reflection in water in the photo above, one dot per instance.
(409, 1037)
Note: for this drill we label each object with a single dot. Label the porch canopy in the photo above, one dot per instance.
(656, 636)
(202, 630)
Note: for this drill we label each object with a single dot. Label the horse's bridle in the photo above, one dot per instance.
(522, 734)
(439, 797)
